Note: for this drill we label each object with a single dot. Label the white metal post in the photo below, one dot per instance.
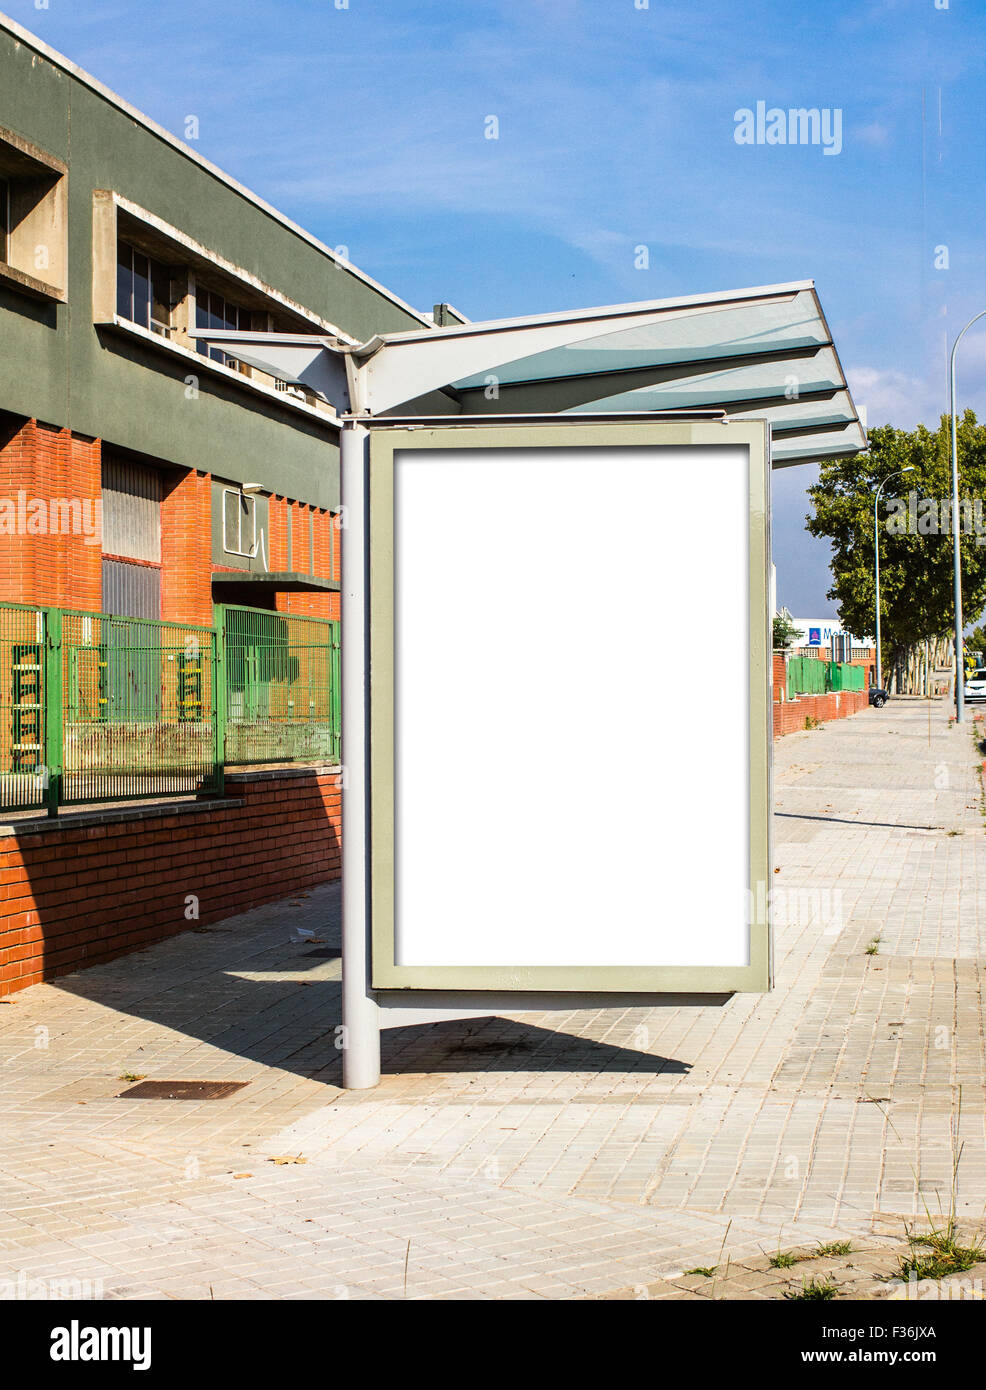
(876, 557)
(956, 537)
(956, 548)
(360, 1013)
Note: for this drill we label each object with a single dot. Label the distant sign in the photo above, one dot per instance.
(814, 637)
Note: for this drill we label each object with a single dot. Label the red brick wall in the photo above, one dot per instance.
(277, 534)
(65, 571)
(780, 676)
(71, 897)
(790, 715)
(300, 539)
(186, 550)
(47, 567)
(323, 561)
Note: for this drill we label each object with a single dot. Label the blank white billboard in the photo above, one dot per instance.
(571, 756)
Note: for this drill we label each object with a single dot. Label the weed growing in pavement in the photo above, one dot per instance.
(873, 949)
(834, 1247)
(814, 1289)
(706, 1271)
(938, 1254)
(784, 1259)
(715, 1267)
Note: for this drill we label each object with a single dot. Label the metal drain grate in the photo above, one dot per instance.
(182, 1090)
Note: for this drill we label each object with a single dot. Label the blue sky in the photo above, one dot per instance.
(366, 125)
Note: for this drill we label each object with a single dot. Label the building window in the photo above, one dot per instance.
(239, 523)
(212, 310)
(143, 290)
(33, 216)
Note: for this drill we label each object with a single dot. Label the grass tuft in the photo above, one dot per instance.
(814, 1290)
(938, 1254)
(784, 1259)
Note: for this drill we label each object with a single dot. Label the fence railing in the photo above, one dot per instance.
(282, 686)
(100, 708)
(23, 726)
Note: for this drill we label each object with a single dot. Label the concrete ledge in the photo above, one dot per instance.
(270, 774)
(37, 825)
(27, 284)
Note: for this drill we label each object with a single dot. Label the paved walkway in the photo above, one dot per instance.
(560, 1156)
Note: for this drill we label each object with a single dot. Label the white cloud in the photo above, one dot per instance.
(894, 398)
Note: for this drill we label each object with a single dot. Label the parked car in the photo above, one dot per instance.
(878, 696)
(975, 686)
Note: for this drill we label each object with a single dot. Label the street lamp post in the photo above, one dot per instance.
(876, 563)
(956, 538)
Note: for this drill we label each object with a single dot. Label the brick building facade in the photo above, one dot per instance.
(53, 547)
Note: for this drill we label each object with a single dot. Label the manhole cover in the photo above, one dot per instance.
(326, 953)
(182, 1090)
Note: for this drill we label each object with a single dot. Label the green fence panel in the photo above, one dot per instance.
(843, 676)
(805, 676)
(95, 707)
(281, 686)
(23, 752)
(137, 709)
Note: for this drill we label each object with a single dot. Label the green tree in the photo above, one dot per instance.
(916, 601)
(784, 632)
(975, 643)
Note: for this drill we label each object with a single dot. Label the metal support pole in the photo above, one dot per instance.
(956, 546)
(956, 534)
(876, 552)
(360, 1013)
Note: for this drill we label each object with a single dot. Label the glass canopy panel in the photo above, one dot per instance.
(681, 335)
(786, 379)
(826, 444)
(802, 415)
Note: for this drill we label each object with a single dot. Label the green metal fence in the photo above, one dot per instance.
(281, 686)
(138, 709)
(807, 675)
(99, 708)
(23, 765)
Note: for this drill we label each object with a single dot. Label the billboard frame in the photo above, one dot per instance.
(386, 440)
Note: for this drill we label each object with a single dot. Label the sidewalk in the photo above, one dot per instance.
(560, 1156)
